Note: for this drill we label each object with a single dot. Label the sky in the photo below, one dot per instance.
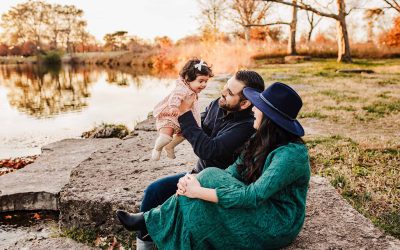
(177, 18)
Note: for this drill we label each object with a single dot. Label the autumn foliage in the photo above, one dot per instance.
(392, 37)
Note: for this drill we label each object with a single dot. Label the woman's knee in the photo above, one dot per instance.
(209, 175)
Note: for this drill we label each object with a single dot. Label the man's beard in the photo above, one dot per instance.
(227, 107)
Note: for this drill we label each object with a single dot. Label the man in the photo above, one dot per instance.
(226, 125)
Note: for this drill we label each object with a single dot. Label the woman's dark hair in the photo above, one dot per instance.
(268, 137)
(190, 73)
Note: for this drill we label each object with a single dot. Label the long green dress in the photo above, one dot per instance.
(266, 214)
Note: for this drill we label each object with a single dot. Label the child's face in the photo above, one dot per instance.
(199, 83)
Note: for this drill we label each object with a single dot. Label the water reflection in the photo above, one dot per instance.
(44, 92)
(42, 105)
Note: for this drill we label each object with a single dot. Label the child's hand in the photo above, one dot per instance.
(174, 111)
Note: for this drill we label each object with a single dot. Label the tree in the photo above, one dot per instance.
(393, 4)
(313, 23)
(212, 14)
(43, 24)
(392, 37)
(71, 18)
(248, 12)
(3, 50)
(121, 39)
(27, 22)
(372, 15)
(293, 29)
(342, 36)
(291, 48)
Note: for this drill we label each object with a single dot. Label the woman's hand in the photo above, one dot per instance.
(187, 104)
(188, 186)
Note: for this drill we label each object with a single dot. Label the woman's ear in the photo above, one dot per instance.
(245, 104)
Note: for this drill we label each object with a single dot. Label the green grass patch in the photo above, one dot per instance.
(387, 82)
(81, 235)
(381, 108)
(345, 108)
(368, 178)
(313, 114)
(339, 96)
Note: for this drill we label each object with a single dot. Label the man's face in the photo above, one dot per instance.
(230, 95)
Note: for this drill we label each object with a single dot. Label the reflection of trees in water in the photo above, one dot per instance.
(42, 92)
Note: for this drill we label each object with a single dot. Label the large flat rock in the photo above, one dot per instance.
(115, 178)
(37, 186)
(332, 223)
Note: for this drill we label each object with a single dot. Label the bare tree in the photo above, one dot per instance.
(212, 14)
(248, 12)
(344, 54)
(313, 23)
(372, 15)
(291, 49)
(393, 4)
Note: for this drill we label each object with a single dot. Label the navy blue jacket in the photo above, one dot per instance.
(220, 135)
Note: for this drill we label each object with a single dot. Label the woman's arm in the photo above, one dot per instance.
(190, 187)
(286, 166)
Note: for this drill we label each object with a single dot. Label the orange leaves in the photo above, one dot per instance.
(9, 165)
(392, 37)
(36, 216)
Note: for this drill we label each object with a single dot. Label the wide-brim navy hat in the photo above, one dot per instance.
(280, 103)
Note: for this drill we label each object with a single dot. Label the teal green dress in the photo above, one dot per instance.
(266, 214)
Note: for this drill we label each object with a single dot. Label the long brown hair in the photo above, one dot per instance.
(268, 137)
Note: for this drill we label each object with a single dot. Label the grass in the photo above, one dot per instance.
(352, 131)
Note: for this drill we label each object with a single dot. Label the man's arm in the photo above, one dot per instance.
(207, 148)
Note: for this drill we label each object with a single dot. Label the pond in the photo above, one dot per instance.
(42, 105)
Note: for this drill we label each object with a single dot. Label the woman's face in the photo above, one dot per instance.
(258, 115)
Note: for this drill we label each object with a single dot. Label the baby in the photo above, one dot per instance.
(192, 80)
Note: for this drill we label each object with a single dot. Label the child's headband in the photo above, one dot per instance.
(198, 65)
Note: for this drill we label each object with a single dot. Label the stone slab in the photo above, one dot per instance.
(332, 223)
(37, 186)
(115, 178)
(42, 235)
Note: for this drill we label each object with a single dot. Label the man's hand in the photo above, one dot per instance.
(187, 103)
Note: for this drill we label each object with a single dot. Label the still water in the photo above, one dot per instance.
(39, 106)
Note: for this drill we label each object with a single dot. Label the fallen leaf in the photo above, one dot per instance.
(36, 216)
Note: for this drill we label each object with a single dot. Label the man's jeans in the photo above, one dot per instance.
(156, 194)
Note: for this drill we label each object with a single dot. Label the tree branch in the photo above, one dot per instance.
(267, 24)
(306, 7)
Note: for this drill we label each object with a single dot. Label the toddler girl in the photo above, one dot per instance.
(192, 80)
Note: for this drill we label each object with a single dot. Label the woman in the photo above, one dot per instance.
(256, 203)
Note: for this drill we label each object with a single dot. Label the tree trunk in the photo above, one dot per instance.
(293, 28)
(370, 31)
(247, 33)
(342, 35)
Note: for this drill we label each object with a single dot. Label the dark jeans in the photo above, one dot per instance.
(156, 194)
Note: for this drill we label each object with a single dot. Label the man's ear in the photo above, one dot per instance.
(245, 104)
